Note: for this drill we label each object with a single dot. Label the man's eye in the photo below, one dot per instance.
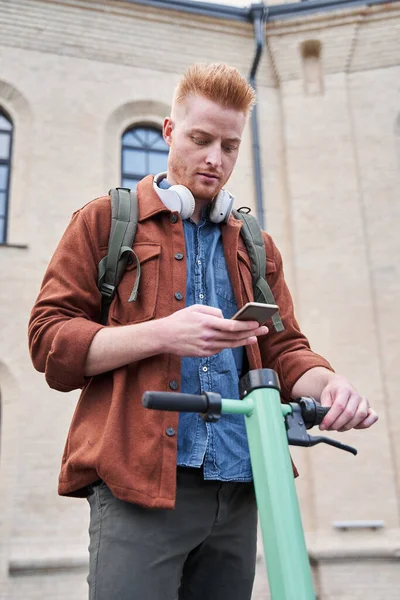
(199, 142)
(229, 149)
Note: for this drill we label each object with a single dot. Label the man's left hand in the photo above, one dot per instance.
(348, 409)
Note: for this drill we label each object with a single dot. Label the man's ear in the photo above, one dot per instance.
(168, 127)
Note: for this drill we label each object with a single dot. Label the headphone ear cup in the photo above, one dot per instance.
(186, 199)
(221, 207)
(176, 197)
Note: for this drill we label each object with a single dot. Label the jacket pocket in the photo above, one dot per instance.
(143, 308)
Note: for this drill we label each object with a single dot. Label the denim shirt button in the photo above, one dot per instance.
(178, 296)
(173, 384)
(170, 431)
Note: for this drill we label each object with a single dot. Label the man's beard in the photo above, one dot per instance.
(177, 168)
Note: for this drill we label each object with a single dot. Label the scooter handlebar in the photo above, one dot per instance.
(312, 412)
(175, 401)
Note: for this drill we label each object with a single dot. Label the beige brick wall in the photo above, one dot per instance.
(331, 174)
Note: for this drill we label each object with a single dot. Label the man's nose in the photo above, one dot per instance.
(214, 156)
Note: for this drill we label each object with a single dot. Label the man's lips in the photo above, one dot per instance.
(210, 175)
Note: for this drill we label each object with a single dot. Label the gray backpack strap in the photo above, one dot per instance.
(253, 239)
(124, 220)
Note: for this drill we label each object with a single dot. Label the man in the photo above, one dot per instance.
(157, 530)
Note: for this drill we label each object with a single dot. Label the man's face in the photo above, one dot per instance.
(204, 141)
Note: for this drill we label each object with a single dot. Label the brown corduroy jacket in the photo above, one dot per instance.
(112, 436)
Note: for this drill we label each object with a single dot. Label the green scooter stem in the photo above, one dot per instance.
(288, 567)
(289, 572)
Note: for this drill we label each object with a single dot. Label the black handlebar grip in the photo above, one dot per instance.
(313, 413)
(175, 402)
(321, 411)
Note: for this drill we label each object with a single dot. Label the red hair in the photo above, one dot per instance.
(217, 82)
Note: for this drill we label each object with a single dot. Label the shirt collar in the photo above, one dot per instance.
(164, 184)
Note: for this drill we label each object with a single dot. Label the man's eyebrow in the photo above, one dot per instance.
(235, 140)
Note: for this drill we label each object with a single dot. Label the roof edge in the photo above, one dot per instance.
(276, 12)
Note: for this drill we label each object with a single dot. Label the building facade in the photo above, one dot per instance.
(84, 88)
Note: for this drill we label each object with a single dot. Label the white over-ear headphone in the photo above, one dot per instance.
(179, 198)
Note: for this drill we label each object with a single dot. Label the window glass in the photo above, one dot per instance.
(5, 124)
(157, 162)
(6, 132)
(134, 161)
(2, 203)
(5, 139)
(130, 183)
(3, 177)
(160, 144)
(131, 139)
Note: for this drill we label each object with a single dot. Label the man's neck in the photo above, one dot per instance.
(199, 206)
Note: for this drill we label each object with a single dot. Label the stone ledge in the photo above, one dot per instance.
(10, 245)
(319, 552)
(356, 548)
(28, 566)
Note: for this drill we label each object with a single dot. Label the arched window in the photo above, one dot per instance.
(6, 131)
(144, 152)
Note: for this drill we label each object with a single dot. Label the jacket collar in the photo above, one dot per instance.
(149, 202)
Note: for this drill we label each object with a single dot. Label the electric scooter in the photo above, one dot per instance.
(271, 426)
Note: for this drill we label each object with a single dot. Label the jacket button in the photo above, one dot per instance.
(178, 296)
(173, 384)
(170, 431)
(173, 218)
(179, 256)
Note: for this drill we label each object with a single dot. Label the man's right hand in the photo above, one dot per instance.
(194, 331)
(202, 331)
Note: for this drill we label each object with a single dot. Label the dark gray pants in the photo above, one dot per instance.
(205, 549)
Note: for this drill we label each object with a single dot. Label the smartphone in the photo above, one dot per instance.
(256, 311)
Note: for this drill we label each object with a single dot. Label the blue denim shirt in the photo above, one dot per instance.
(221, 446)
